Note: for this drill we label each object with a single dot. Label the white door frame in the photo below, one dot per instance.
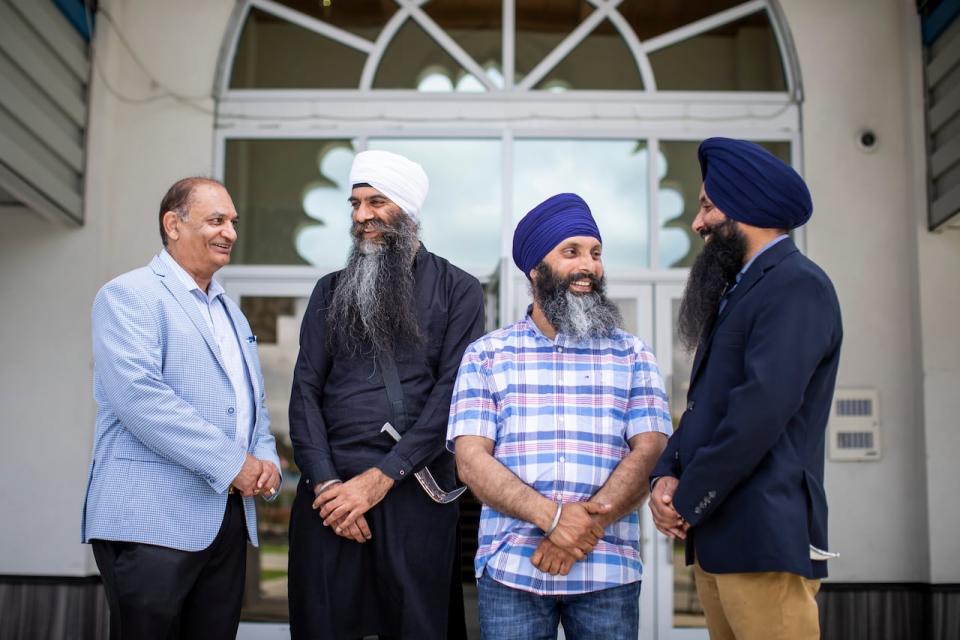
(511, 112)
(664, 295)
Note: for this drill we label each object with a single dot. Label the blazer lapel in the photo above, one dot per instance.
(189, 305)
(242, 330)
(764, 262)
(702, 349)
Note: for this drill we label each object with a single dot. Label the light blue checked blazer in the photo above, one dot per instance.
(164, 454)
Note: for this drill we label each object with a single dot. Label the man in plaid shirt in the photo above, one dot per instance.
(556, 421)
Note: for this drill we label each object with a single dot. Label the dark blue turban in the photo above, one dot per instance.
(751, 185)
(557, 218)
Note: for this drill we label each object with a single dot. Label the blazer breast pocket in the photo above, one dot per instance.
(729, 338)
(727, 351)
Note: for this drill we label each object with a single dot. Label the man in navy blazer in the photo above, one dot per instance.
(741, 479)
(183, 437)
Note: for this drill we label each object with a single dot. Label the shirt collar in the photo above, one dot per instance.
(215, 289)
(532, 326)
(561, 339)
(779, 238)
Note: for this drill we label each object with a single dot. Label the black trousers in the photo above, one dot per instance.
(396, 585)
(159, 593)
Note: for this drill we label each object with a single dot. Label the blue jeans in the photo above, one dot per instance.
(511, 614)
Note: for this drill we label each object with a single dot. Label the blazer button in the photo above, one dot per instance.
(690, 405)
(230, 411)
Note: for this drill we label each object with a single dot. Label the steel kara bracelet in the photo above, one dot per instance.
(556, 521)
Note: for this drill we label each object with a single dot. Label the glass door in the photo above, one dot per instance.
(678, 613)
(636, 306)
(275, 320)
(274, 304)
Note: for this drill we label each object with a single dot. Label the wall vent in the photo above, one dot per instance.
(854, 428)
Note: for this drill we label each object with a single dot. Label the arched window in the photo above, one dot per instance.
(504, 103)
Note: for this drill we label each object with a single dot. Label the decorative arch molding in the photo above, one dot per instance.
(512, 110)
(413, 10)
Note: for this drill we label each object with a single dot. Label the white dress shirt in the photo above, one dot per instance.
(214, 312)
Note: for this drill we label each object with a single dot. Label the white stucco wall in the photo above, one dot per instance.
(46, 280)
(853, 64)
(49, 274)
(893, 520)
(896, 519)
(938, 304)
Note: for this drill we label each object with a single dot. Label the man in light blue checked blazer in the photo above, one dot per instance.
(183, 441)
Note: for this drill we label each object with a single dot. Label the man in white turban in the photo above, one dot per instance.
(399, 179)
(370, 552)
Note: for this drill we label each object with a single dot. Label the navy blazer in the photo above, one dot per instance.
(749, 450)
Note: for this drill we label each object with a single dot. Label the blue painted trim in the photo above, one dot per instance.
(75, 12)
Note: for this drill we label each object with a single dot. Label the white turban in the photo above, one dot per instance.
(402, 180)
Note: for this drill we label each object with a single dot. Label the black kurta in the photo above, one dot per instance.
(398, 583)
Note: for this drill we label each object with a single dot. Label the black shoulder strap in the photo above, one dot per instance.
(391, 380)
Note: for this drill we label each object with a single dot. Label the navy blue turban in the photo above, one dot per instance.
(751, 185)
(557, 218)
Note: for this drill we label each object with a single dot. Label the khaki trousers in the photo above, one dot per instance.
(758, 606)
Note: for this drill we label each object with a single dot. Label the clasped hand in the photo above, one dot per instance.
(577, 533)
(343, 505)
(257, 476)
(551, 559)
(665, 517)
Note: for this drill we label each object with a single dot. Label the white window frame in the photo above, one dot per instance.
(508, 113)
(515, 110)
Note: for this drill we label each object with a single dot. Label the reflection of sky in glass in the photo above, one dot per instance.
(437, 80)
(327, 243)
(461, 216)
(674, 243)
(611, 175)
(461, 219)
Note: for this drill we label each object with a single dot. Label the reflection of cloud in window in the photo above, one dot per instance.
(328, 243)
(611, 175)
(437, 79)
(461, 216)
(469, 84)
(674, 243)
(556, 86)
(461, 219)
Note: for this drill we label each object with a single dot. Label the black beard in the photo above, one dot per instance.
(714, 270)
(373, 310)
(581, 316)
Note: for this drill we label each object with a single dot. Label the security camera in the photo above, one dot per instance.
(867, 140)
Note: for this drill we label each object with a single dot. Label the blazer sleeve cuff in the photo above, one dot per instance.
(694, 508)
(222, 480)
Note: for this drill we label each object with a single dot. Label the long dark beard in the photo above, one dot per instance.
(373, 309)
(581, 316)
(714, 270)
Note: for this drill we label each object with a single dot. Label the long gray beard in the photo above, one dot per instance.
(580, 316)
(373, 308)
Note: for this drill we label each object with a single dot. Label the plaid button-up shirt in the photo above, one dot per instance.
(560, 414)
